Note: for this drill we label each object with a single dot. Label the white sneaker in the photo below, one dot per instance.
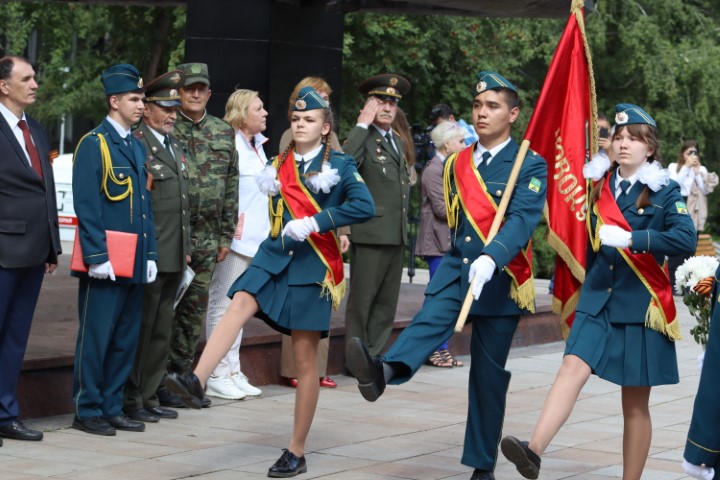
(224, 387)
(242, 383)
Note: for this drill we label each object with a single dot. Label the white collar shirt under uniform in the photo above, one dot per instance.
(618, 189)
(308, 157)
(479, 150)
(253, 223)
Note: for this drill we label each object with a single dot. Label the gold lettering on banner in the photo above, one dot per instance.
(567, 184)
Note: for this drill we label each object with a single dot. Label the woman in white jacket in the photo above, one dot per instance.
(695, 182)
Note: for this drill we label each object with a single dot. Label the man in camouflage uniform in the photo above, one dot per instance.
(209, 146)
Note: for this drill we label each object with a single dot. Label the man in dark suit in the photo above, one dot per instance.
(171, 210)
(29, 235)
(499, 272)
(377, 249)
(110, 194)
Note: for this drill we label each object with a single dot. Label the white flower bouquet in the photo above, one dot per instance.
(694, 278)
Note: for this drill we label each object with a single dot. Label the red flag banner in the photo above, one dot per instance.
(562, 130)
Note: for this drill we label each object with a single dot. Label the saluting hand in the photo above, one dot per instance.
(367, 114)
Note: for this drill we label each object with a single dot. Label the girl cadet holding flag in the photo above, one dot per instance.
(625, 323)
(297, 273)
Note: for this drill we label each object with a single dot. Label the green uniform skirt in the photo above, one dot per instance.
(629, 355)
(285, 307)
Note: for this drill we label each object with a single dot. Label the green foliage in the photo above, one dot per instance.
(543, 256)
(77, 41)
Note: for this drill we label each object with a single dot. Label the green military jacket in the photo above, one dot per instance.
(209, 148)
(388, 178)
(170, 199)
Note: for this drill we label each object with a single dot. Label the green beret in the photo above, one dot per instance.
(121, 78)
(195, 73)
(629, 114)
(309, 99)
(492, 81)
(387, 85)
(163, 90)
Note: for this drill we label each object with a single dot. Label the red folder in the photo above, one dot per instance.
(121, 252)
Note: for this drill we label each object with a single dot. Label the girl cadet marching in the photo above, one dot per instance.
(297, 273)
(625, 322)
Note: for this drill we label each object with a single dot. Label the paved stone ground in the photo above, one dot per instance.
(414, 431)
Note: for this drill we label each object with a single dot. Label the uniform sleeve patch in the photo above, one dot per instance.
(534, 185)
(681, 207)
(359, 178)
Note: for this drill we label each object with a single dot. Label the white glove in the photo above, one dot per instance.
(300, 228)
(102, 271)
(481, 271)
(614, 236)
(695, 471)
(151, 271)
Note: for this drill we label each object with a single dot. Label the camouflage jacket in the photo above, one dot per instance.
(209, 147)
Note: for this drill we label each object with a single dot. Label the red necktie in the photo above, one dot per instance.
(30, 147)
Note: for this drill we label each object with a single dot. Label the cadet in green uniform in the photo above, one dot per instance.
(702, 448)
(625, 322)
(377, 249)
(209, 147)
(166, 165)
(109, 192)
(474, 182)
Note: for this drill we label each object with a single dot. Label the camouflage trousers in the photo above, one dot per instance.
(192, 309)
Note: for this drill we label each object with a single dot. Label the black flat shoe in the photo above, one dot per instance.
(94, 425)
(162, 412)
(288, 465)
(482, 475)
(121, 422)
(206, 402)
(186, 386)
(167, 399)
(143, 416)
(17, 431)
(526, 461)
(366, 369)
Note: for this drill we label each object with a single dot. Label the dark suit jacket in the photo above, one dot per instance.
(388, 178)
(170, 200)
(29, 234)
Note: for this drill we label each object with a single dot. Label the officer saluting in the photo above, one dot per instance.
(377, 248)
(109, 191)
(166, 164)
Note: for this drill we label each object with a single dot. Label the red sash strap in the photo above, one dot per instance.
(661, 314)
(301, 204)
(480, 209)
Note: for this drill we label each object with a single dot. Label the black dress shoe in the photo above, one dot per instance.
(186, 386)
(482, 475)
(162, 412)
(167, 399)
(288, 465)
(368, 370)
(526, 461)
(17, 431)
(94, 425)
(121, 422)
(143, 416)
